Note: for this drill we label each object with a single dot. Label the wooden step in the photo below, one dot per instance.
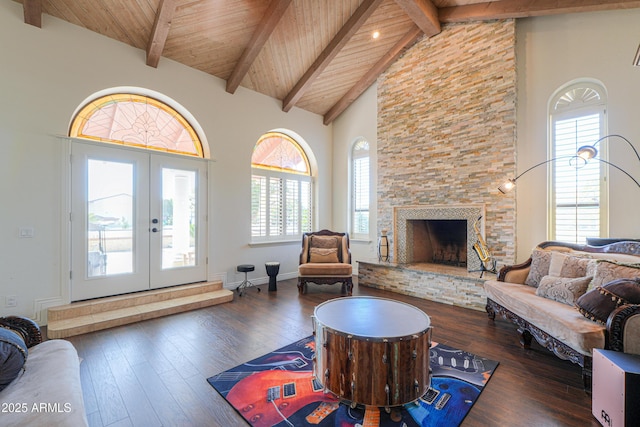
(94, 315)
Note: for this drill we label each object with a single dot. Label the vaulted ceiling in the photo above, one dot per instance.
(318, 55)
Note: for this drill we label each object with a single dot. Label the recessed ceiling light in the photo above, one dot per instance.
(375, 34)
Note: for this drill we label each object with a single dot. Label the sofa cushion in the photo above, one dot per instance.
(52, 378)
(606, 271)
(325, 269)
(568, 265)
(13, 355)
(323, 255)
(559, 320)
(598, 303)
(540, 261)
(563, 289)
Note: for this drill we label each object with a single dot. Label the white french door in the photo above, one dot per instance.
(138, 220)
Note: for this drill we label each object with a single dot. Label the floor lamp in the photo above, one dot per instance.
(584, 154)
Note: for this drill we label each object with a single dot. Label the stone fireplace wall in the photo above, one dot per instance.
(447, 128)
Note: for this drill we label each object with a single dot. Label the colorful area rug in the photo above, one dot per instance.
(278, 389)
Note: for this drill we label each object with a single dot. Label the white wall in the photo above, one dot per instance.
(358, 121)
(552, 51)
(45, 74)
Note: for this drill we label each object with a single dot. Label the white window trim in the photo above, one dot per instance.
(353, 235)
(565, 113)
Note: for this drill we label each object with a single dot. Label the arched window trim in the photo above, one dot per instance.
(360, 150)
(575, 100)
(104, 97)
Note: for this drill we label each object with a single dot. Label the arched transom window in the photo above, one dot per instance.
(280, 189)
(138, 121)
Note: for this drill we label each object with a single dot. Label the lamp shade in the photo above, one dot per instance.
(587, 152)
(507, 186)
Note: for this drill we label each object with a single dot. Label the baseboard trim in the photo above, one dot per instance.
(41, 305)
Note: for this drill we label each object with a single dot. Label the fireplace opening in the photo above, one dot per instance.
(439, 241)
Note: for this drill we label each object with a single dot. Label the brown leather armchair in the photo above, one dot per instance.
(325, 259)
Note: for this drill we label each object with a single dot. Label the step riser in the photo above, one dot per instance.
(85, 308)
(105, 320)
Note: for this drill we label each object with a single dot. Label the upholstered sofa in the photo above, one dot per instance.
(47, 390)
(572, 299)
(325, 259)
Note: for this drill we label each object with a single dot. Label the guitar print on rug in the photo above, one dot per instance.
(279, 389)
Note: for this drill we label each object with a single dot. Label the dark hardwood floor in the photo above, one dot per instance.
(154, 372)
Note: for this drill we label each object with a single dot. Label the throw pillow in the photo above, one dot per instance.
(564, 265)
(563, 289)
(607, 271)
(325, 242)
(323, 255)
(540, 261)
(13, 355)
(598, 303)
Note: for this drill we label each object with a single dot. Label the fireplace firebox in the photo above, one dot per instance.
(439, 241)
(441, 234)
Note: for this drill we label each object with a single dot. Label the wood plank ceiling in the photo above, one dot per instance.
(318, 55)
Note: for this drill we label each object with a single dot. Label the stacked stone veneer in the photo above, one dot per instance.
(447, 127)
(462, 290)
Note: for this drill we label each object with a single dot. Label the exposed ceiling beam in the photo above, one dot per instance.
(359, 17)
(160, 31)
(368, 79)
(524, 8)
(272, 16)
(424, 13)
(32, 12)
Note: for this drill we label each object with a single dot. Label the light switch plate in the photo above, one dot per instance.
(25, 232)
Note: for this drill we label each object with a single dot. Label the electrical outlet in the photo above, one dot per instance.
(11, 301)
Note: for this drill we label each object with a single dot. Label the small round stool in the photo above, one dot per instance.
(273, 268)
(245, 268)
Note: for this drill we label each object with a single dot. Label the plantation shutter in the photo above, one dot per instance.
(258, 206)
(576, 185)
(276, 216)
(305, 206)
(361, 195)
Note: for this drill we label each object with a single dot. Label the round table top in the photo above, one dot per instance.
(372, 317)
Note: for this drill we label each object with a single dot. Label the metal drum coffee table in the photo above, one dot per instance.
(372, 351)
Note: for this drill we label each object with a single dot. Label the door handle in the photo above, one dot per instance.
(155, 230)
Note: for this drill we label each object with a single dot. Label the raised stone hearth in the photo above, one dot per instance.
(435, 282)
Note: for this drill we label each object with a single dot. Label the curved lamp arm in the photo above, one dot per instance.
(589, 151)
(511, 183)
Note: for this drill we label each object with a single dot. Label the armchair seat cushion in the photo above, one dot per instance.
(325, 269)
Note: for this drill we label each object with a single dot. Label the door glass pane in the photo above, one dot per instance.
(110, 218)
(178, 218)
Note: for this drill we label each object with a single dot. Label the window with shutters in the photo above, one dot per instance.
(577, 190)
(360, 180)
(281, 191)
